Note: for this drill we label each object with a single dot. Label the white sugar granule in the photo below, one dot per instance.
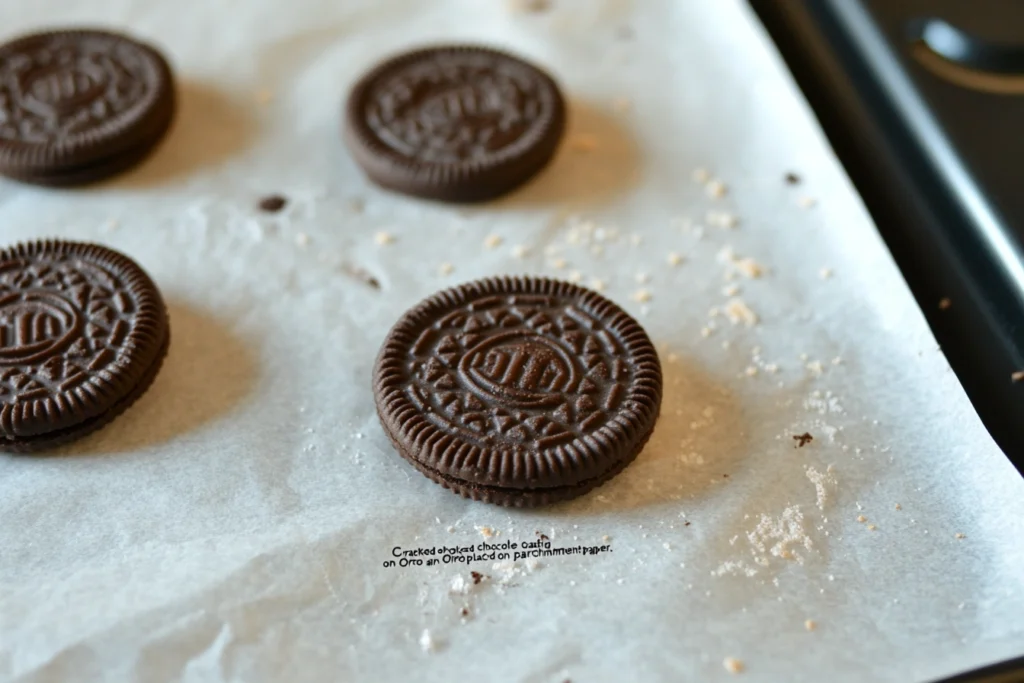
(824, 482)
(780, 536)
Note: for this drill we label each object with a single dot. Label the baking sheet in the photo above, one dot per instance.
(235, 523)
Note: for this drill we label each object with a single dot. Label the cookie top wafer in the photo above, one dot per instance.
(520, 383)
(73, 99)
(81, 327)
(455, 123)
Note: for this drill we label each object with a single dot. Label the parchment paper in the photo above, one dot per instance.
(234, 524)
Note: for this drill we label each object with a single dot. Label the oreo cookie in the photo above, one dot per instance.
(83, 333)
(80, 106)
(518, 391)
(456, 124)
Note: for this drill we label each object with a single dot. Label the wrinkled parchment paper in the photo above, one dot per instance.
(235, 524)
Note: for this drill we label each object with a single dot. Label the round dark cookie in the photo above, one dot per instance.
(78, 106)
(83, 333)
(456, 124)
(518, 391)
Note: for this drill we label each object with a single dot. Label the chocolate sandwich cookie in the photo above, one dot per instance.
(457, 124)
(80, 106)
(518, 391)
(83, 333)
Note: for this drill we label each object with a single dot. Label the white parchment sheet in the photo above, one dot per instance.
(234, 524)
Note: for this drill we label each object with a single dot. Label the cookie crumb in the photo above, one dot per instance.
(961, 537)
(486, 531)
(739, 312)
(716, 189)
(872, 527)
(493, 241)
(445, 269)
(384, 238)
(642, 295)
(733, 665)
(520, 251)
(898, 506)
(575, 276)
(731, 290)
(464, 612)
(792, 179)
(272, 203)
(477, 577)
(559, 263)
(597, 285)
(803, 439)
(810, 625)
(944, 304)
(674, 259)
(861, 518)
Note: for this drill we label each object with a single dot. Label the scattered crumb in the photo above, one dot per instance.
(732, 665)
(792, 179)
(427, 643)
(810, 625)
(750, 371)
(700, 175)
(445, 269)
(825, 273)
(823, 482)
(477, 577)
(815, 367)
(575, 276)
(674, 259)
(558, 263)
(944, 304)
(301, 239)
(898, 506)
(807, 202)
(722, 219)
(960, 537)
(362, 275)
(464, 612)
(872, 527)
(716, 189)
(493, 241)
(583, 142)
(642, 295)
(731, 290)
(272, 203)
(642, 278)
(1017, 376)
(606, 538)
(597, 285)
(861, 518)
(520, 250)
(384, 238)
(739, 312)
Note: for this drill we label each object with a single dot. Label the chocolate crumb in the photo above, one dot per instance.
(273, 203)
(802, 439)
(361, 274)
(464, 612)
(477, 577)
(725, 476)
(686, 524)
(792, 179)
(542, 537)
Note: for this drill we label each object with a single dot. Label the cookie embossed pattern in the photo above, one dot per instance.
(78, 106)
(456, 124)
(518, 391)
(83, 333)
